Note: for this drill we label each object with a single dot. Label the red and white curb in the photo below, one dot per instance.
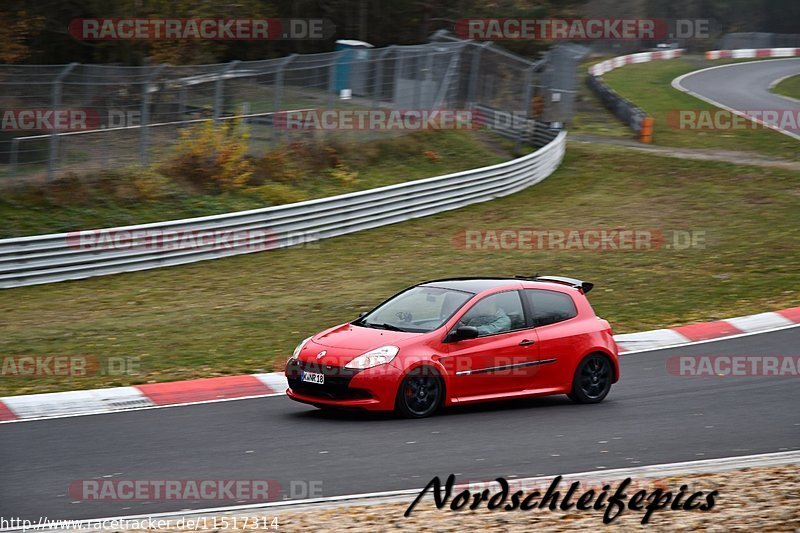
(643, 57)
(152, 395)
(704, 331)
(197, 391)
(743, 53)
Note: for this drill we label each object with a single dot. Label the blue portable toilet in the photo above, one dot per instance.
(351, 67)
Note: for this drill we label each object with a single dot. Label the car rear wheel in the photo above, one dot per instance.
(420, 394)
(592, 380)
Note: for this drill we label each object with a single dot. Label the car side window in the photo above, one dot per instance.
(550, 307)
(496, 314)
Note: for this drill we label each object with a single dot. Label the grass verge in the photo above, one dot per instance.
(648, 85)
(119, 197)
(246, 313)
(789, 87)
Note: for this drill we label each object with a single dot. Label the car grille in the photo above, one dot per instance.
(336, 386)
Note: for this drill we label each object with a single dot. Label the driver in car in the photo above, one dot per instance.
(490, 318)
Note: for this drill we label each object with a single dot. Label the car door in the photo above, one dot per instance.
(554, 317)
(497, 361)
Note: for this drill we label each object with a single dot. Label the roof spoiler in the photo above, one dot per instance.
(584, 286)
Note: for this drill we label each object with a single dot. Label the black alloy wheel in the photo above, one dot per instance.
(420, 395)
(592, 380)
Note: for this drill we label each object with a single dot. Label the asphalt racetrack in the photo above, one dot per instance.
(650, 417)
(745, 87)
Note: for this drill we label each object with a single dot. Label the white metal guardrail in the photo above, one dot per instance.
(68, 256)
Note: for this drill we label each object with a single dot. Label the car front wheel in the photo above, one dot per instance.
(592, 380)
(420, 394)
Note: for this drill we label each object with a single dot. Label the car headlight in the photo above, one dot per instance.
(378, 356)
(299, 347)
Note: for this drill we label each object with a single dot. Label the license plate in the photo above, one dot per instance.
(312, 377)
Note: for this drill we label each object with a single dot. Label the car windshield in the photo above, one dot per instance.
(419, 310)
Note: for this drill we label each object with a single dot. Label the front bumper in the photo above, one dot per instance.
(373, 389)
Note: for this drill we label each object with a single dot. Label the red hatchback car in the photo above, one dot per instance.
(459, 341)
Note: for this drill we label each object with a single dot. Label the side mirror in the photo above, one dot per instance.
(362, 314)
(462, 333)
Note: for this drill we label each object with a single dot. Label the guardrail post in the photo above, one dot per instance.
(144, 128)
(55, 101)
(12, 158)
(219, 89)
(182, 95)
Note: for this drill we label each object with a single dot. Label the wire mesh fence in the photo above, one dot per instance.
(734, 41)
(79, 118)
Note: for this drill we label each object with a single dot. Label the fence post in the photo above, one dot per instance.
(55, 101)
(526, 106)
(332, 73)
(379, 77)
(279, 89)
(144, 128)
(474, 69)
(428, 76)
(219, 88)
(398, 75)
(441, 95)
